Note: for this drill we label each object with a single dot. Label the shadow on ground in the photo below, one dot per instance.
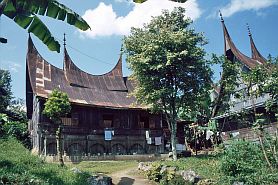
(126, 181)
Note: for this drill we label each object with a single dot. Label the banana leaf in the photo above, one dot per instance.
(34, 25)
(23, 12)
(52, 9)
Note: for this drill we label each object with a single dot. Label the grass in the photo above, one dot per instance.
(105, 167)
(18, 166)
(206, 166)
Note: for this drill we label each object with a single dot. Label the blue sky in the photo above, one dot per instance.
(111, 20)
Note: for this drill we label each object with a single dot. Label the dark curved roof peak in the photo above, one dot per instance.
(231, 51)
(107, 90)
(256, 55)
(70, 65)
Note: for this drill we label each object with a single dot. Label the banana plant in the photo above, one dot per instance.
(24, 13)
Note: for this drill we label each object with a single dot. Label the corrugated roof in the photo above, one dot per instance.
(107, 90)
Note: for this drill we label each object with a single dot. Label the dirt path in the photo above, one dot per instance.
(129, 176)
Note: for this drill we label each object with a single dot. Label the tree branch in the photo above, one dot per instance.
(3, 4)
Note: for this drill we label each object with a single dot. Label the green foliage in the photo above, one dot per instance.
(24, 13)
(57, 106)
(16, 110)
(241, 158)
(263, 80)
(271, 144)
(227, 84)
(206, 166)
(5, 90)
(167, 61)
(164, 177)
(243, 161)
(154, 173)
(16, 129)
(18, 166)
(168, 66)
(176, 180)
(105, 167)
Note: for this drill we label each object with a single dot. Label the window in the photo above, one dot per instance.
(73, 121)
(152, 123)
(107, 120)
(143, 122)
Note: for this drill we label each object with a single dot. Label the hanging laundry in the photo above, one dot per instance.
(147, 134)
(149, 141)
(208, 134)
(107, 135)
(157, 141)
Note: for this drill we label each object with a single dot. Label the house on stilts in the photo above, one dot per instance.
(104, 120)
(229, 124)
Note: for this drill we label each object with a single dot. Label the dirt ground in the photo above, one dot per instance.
(130, 176)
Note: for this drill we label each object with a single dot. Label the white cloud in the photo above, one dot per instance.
(123, 1)
(242, 5)
(104, 21)
(10, 65)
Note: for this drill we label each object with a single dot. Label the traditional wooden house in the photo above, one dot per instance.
(227, 121)
(104, 118)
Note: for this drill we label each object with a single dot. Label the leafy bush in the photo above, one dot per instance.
(241, 157)
(166, 176)
(176, 180)
(154, 173)
(243, 161)
(16, 129)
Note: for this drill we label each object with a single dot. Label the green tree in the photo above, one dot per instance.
(5, 90)
(57, 106)
(260, 81)
(24, 13)
(227, 84)
(168, 65)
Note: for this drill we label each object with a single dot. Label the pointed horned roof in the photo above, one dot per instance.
(232, 52)
(256, 55)
(108, 90)
(113, 80)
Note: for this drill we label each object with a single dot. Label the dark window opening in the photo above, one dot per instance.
(152, 123)
(144, 122)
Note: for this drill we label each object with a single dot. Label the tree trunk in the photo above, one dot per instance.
(59, 145)
(218, 101)
(260, 134)
(174, 138)
(264, 152)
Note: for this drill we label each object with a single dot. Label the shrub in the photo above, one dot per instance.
(154, 173)
(176, 180)
(18, 130)
(243, 161)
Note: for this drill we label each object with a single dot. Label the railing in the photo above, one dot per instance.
(117, 131)
(248, 103)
